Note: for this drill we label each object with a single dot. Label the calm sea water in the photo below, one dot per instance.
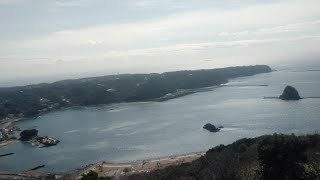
(136, 131)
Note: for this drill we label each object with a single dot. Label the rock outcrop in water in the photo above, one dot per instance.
(47, 141)
(290, 93)
(211, 127)
(28, 134)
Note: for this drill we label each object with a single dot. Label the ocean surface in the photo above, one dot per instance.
(128, 132)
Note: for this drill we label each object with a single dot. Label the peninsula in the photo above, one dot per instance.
(31, 100)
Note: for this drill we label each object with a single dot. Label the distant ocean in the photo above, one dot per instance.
(135, 131)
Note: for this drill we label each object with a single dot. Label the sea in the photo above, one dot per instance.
(128, 132)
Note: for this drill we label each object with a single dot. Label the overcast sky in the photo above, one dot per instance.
(55, 37)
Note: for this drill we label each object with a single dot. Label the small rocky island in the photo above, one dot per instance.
(290, 93)
(31, 135)
(28, 134)
(46, 141)
(211, 127)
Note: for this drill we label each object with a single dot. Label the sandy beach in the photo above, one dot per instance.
(118, 170)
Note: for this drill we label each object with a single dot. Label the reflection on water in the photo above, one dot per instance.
(135, 131)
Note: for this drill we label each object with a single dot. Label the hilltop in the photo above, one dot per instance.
(267, 157)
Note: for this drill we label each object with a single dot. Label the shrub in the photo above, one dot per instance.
(281, 157)
(93, 176)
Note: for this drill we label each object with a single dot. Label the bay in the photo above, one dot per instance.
(128, 132)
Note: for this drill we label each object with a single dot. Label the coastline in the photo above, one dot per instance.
(7, 122)
(118, 170)
(5, 125)
(7, 142)
(46, 105)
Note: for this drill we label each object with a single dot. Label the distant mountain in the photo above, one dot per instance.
(31, 100)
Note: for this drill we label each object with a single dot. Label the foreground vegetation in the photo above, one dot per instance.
(31, 100)
(271, 157)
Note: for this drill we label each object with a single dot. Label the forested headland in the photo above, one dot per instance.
(30, 100)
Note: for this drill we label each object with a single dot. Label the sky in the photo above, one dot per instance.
(78, 38)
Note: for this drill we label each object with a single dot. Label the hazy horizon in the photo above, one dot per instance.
(53, 40)
(22, 81)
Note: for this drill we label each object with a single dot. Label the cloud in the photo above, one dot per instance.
(170, 58)
(12, 2)
(156, 4)
(69, 3)
(183, 49)
(56, 6)
(184, 27)
(289, 28)
(142, 3)
(221, 44)
(231, 36)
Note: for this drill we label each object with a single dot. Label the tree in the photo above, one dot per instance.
(283, 157)
(93, 176)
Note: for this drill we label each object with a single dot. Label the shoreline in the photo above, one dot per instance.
(117, 170)
(7, 142)
(6, 122)
(5, 125)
